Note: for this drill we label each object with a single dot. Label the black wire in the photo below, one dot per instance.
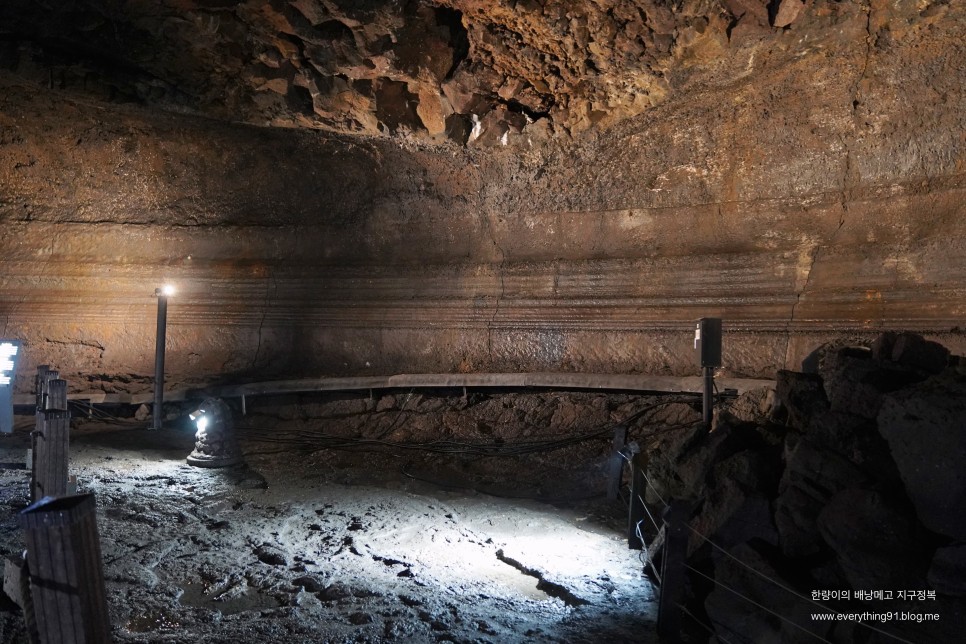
(100, 414)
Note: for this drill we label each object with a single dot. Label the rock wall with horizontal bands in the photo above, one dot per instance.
(803, 184)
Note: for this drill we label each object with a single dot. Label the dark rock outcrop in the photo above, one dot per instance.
(925, 426)
(862, 496)
(874, 540)
(947, 572)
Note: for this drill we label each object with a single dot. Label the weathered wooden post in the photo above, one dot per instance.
(51, 441)
(672, 571)
(616, 465)
(636, 510)
(66, 574)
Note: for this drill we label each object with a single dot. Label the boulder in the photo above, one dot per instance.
(947, 572)
(856, 384)
(857, 440)
(755, 405)
(811, 477)
(731, 516)
(925, 427)
(801, 395)
(741, 620)
(874, 539)
(787, 12)
(914, 351)
(678, 465)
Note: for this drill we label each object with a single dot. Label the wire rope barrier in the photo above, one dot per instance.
(664, 525)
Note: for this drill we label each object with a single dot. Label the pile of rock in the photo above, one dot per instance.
(849, 478)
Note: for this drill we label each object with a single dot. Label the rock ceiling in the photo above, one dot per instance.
(797, 168)
(450, 69)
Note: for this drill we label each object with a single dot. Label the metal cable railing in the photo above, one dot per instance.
(670, 578)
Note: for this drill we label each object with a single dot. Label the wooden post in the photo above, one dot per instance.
(672, 571)
(66, 575)
(615, 468)
(44, 375)
(56, 394)
(51, 442)
(636, 512)
(51, 453)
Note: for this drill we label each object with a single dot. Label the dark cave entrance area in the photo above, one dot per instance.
(396, 515)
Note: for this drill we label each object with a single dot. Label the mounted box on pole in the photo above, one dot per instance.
(707, 341)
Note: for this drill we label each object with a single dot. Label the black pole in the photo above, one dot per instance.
(159, 357)
(708, 398)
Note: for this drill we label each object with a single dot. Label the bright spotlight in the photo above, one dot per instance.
(200, 419)
(168, 290)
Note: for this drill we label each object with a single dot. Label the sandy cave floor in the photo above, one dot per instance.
(316, 545)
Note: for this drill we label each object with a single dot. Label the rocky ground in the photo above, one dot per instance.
(317, 541)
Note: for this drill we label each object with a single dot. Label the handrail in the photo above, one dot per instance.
(549, 380)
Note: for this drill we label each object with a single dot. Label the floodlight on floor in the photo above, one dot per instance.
(215, 443)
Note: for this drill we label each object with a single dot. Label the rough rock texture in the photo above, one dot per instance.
(684, 159)
(456, 68)
(947, 573)
(873, 539)
(925, 426)
(847, 504)
(735, 619)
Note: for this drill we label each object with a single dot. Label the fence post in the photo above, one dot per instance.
(66, 575)
(672, 571)
(616, 465)
(51, 441)
(636, 511)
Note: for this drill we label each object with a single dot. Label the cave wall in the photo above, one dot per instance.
(802, 183)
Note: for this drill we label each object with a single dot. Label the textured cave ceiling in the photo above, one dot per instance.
(382, 187)
(427, 69)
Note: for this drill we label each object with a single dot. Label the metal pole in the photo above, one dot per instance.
(159, 357)
(708, 398)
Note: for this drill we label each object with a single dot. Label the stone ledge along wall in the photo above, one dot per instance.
(849, 477)
(799, 182)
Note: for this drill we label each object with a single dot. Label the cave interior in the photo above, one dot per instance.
(425, 275)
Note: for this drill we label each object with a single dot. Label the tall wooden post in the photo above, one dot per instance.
(615, 467)
(636, 511)
(66, 574)
(51, 442)
(672, 573)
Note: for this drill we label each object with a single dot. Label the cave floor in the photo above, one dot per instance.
(337, 546)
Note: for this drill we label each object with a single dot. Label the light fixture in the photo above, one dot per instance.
(168, 290)
(8, 364)
(8, 359)
(215, 443)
